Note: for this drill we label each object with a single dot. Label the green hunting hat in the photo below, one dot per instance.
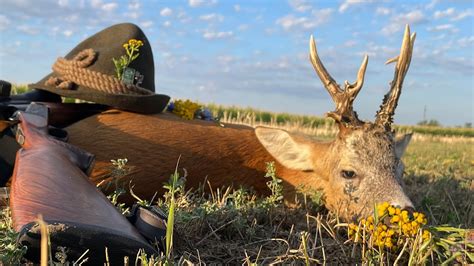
(113, 67)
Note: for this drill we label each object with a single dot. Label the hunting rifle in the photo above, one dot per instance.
(50, 178)
(59, 115)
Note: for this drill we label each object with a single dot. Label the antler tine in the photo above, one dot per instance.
(354, 89)
(342, 98)
(384, 116)
(329, 83)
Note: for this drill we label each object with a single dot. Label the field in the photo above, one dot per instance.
(232, 226)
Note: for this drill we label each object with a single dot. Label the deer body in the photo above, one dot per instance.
(359, 168)
(153, 143)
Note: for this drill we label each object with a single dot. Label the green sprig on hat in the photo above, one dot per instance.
(132, 48)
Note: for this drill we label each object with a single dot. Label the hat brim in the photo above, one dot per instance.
(145, 104)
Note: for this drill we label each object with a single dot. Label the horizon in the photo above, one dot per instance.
(254, 54)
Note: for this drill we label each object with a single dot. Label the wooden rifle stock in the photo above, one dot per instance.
(50, 179)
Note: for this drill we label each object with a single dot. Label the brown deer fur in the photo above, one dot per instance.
(230, 155)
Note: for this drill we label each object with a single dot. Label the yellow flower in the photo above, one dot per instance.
(391, 210)
(394, 232)
(404, 216)
(421, 219)
(382, 208)
(125, 45)
(426, 234)
(395, 219)
(390, 232)
(370, 219)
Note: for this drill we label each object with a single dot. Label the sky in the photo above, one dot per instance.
(255, 52)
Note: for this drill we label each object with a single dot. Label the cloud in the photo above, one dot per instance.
(146, 24)
(300, 5)
(165, 12)
(444, 27)
(452, 14)
(350, 43)
(109, 7)
(446, 13)
(237, 8)
(183, 17)
(167, 24)
(466, 41)
(292, 22)
(67, 33)
(4, 22)
(63, 3)
(348, 3)
(134, 5)
(432, 4)
(243, 27)
(215, 35)
(212, 17)
(226, 59)
(462, 15)
(28, 29)
(383, 11)
(398, 22)
(198, 3)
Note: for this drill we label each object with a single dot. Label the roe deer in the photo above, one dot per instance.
(359, 168)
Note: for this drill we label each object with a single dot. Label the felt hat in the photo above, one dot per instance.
(113, 67)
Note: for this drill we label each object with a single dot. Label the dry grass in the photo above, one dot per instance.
(232, 226)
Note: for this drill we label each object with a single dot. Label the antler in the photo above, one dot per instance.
(384, 116)
(344, 115)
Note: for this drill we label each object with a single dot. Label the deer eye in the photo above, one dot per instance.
(348, 174)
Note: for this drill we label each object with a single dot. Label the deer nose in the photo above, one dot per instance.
(409, 209)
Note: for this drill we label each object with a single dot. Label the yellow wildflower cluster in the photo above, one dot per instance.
(133, 44)
(132, 50)
(390, 227)
(185, 109)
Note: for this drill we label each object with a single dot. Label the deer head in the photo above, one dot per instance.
(362, 166)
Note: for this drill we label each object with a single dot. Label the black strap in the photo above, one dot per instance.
(150, 222)
(8, 150)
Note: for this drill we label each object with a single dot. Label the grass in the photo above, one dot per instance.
(232, 226)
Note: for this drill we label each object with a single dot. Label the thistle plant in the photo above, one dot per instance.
(132, 49)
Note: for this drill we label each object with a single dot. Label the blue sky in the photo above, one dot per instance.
(255, 53)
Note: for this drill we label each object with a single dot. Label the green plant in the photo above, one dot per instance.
(118, 170)
(174, 185)
(10, 252)
(274, 185)
(132, 48)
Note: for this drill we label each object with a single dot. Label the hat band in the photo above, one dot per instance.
(75, 72)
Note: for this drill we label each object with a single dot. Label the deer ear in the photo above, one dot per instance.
(401, 144)
(288, 152)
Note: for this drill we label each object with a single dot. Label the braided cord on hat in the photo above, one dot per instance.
(75, 71)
